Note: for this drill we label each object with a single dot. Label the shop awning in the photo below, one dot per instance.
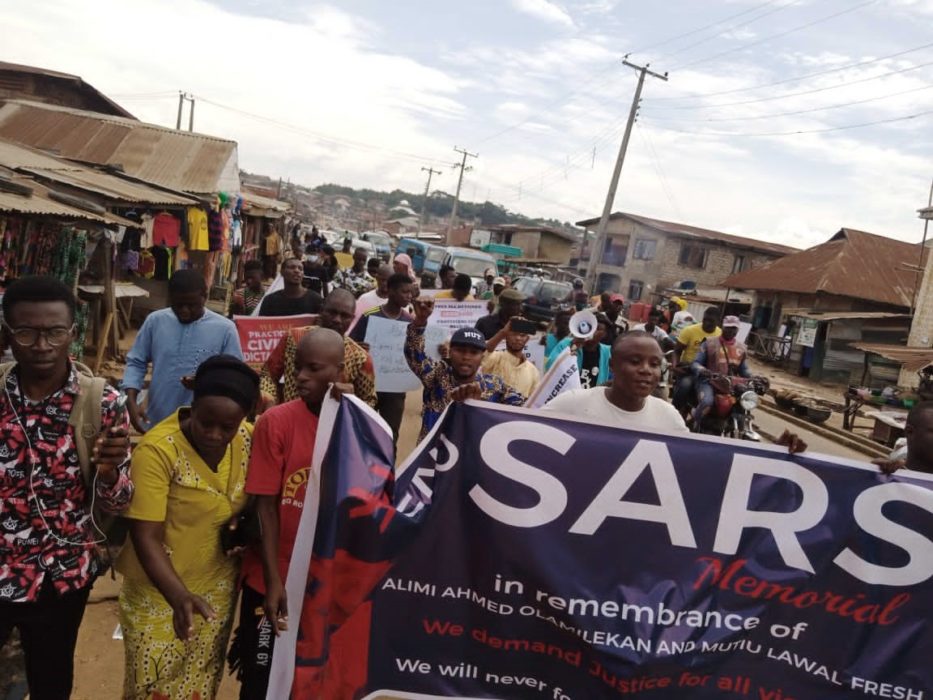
(37, 204)
(912, 359)
(841, 315)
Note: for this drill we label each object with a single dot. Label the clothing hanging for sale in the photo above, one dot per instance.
(166, 230)
(197, 229)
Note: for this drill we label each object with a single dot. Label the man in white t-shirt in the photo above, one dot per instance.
(627, 402)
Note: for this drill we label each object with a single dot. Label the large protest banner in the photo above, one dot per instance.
(386, 340)
(529, 555)
(260, 334)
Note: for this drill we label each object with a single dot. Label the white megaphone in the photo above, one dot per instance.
(583, 324)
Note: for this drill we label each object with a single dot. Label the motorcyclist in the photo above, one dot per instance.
(724, 356)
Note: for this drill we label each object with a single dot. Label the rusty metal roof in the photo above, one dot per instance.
(43, 166)
(265, 207)
(75, 80)
(699, 233)
(39, 204)
(842, 315)
(179, 160)
(852, 263)
(913, 359)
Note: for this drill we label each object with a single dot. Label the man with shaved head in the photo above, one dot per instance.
(279, 468)
(277, 380)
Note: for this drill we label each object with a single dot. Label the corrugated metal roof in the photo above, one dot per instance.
(841, 315)
(913, 359)
(179, 160)
(76, 80)
(852, 263)
(29, 160)
(39, 204)
(699, 233)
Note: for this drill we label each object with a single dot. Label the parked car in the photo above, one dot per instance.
(381, 241)
(425, 257)
(472, 262)
(542, 297)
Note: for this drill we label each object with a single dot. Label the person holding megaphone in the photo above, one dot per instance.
(587, 331)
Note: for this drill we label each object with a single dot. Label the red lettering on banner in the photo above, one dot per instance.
(714, 573)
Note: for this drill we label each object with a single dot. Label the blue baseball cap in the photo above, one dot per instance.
(470, 337)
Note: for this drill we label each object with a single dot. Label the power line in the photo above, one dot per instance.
(799, 131)
(730, 29)
(813, 91)
(775, 36)
(857, 64)
(704, 28)
(321, 137)
(662, 176)
(796, 112)
(602, 71)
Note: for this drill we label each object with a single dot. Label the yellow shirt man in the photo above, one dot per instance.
(693, 336)
(449, 294)
(519, 373)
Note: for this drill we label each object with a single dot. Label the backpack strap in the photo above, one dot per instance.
(85, 417)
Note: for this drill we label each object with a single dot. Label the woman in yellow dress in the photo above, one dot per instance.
(179, 589)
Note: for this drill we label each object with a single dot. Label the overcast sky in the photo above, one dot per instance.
(366, 92)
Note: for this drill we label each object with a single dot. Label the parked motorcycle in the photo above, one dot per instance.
(735, 400)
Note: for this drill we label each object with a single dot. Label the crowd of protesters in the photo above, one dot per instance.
(213, 494)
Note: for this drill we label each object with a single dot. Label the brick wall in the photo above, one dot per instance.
(665, 270)
(527, 241)
(554, 248)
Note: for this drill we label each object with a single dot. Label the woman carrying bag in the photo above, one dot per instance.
(180, 579)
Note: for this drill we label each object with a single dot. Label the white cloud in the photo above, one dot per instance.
(544, 10)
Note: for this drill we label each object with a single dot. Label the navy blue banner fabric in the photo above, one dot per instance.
(534, 556)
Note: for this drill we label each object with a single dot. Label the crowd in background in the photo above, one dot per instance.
(212, 496)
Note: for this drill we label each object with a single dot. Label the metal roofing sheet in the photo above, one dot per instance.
(41, 205)
(18, 157)
(913, 359)
(113, 187)
(852, 263)
(841, 315)
(179, 160)
(699, 233)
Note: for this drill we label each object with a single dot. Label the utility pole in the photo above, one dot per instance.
(596, 253)
(921, 269)
(181, 104)
(462, 166)
(182, 97)
(424, 203)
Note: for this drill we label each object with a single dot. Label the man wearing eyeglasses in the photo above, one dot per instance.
(51, 479)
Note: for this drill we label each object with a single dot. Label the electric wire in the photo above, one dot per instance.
(775, 36)
(795, 132)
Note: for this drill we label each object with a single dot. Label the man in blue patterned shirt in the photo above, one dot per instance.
(458, 377)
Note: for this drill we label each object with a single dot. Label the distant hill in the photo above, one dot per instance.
(366, 201)
(440, 204)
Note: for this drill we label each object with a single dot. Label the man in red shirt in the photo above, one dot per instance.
(279, 469)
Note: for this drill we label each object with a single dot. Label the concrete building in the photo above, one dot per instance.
(643, 257)
(538, 244)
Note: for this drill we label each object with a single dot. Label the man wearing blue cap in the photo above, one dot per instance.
(458, 377)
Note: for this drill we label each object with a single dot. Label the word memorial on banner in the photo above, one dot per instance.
(527, 554)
